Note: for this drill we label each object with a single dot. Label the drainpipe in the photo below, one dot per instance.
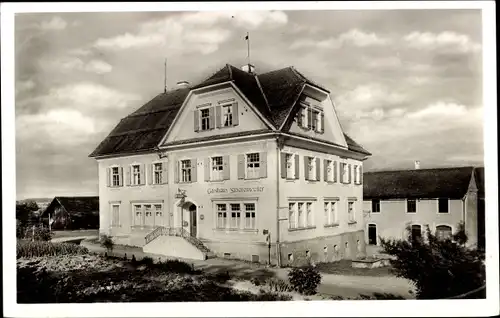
(279, 145)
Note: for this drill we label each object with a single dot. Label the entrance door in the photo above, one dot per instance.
(372, 234)
(193, 220)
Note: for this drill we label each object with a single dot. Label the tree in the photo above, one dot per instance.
(439, 268)
(25, 210)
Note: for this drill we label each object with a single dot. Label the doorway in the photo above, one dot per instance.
(193, 220)
(372, 234)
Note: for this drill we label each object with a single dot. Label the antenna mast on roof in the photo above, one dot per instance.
(248, 50)
(165, 77)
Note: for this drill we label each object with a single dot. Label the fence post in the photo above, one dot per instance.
(33, 233)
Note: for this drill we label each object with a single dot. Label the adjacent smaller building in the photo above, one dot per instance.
(72, 213)
(440, 198)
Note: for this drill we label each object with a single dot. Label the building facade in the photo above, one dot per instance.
(246, 166)
(440, 198)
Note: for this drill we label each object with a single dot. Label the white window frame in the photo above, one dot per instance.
(255, 171)
(133, 180)
(331, 210)
(345, 171)
(437, 206)
(113, 224)
(291, 156)
(134, 213)
(242, 226)
(201, 118)
(237, 219)
(379, 206)
(416, 206)
(157, 172)
(112, 183)
(188, 171)
(301, 220)
(253, 220)
(223, 218)
(311, 165)
(156, 211)
(352, 219)
(329, 171)
(220, 172)
(229, 114)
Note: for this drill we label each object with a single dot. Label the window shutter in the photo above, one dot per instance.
(306, 167)
(226, 168)
(309, 117)
(177, 169)
(297, 168)
(360, 174)
(211, 118)
(322, 114)
(241, 166)
(164, 176)
(128, 178)
(318, 169)
(206, 168)
(151, 173)
(236, 120)
(194, 170)
(217, 116)
(196, 120)
(120, 181)
(263, 164)
(325, 170)
(284, 170)
(342, 180)
(142, 173)
(335, 171)
(108, 179)
(299, 117)
(349, 173)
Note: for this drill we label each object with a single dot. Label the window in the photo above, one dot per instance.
(138, 220)
(372, 234)
(290, 166)
(311, 168)
(136, 174)
(345, 172)
(158, 211)
(157, 173)
(303, 117)
(115, 172)
(217, 168)
(253, 166)
(227, 115)
(416, 232)
(357, 174)
(250, 216)
(315, 120)
(186, 170)
(300, 208)
(205, 119)
(443, 205)
(221, 216)
(351, 211)
(330, 212)
(235, 216)
(411, 206)
(291, 216)
(443, 232)
(309, 218)
(115, 220)
(375, 206)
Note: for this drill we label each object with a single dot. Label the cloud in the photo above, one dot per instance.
(68, 64)
(56, 23)
(24, 86)
(440, 109)
(200, 32)
(449, 41)
(353, 37)
(367, 97)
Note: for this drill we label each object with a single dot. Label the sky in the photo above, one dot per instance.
(407, 84)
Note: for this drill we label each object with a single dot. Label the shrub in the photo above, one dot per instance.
(305, 279)
(439, 268)
(29, 249)
(174, 266)
(257, 281)
(106, 242)
(146, 260)
(278, 285)
(37, 233)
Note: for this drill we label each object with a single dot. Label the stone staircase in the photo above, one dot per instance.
(181, 233)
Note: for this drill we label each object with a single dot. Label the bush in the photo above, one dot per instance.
(39, 233)
(278, 285)
(439, 268)
(106, 242)
(305, 279)
(146, 260)
(28, 249)
(174, 266)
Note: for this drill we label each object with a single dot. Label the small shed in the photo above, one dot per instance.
(72, 213)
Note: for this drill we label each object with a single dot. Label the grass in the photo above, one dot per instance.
(76, 233)
(344, 267)
(28, 249)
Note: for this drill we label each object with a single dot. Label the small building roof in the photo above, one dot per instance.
(450, 183)
(479, 175)
(273, 93)
(74, 205)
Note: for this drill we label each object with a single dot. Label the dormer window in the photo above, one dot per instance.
(227, 115)
(311, 118)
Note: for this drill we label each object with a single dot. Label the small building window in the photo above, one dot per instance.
(115, 220)
(136, 174)
(308, 253)
(443, 232)
(291, 216)
(186, 170)
(443, 205)
(330, 212)
(205, 119)
(235, 216)
(375, 206)
(158, 173)
(227, 115)
(329, 171)
(221, 216)
(411, 206)
(416, 232)
(372, 234)
(290, 257)
(290, 166)
(250, 216)
(217, 168)
(158, 210)
(253, 166)
(351, 212)
(311, 165)
(115, 172)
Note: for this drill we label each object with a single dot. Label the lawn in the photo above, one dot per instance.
(344, 267)
(76, 233)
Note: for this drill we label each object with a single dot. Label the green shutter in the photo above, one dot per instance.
(306, 167)
(218, 116)
(283, 165)
(297, 168)
(236, 119)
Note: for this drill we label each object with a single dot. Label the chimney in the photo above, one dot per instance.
(182, 84)
(249, 68)
(417, 164)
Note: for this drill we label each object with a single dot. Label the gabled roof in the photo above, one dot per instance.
(450, 183)
(479, 175)
(274, 94)
(74, 205)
